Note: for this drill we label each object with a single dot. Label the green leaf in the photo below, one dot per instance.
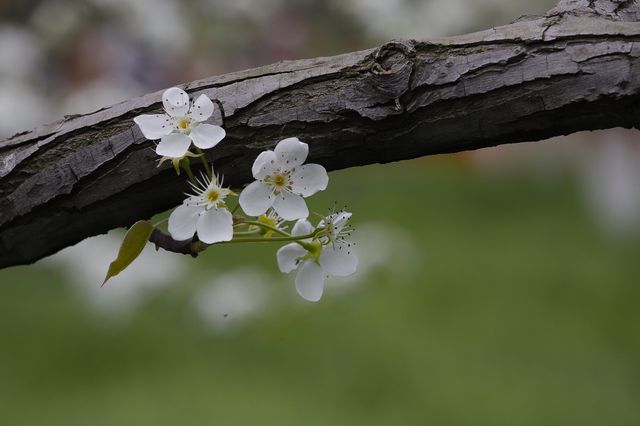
(132, 245)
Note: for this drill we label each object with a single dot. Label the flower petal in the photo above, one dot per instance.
(290, 206)
(291, 153)
(174, 145)
(309, 179)
(182, 222)
(310, 281)
(154, 126)
(263, 164)
(302, 227)
(176, 102)
(340, 219)
(256, 199)
(338, 260)
(288, 256)
(202, 108)
(215, 225)
(207, 136)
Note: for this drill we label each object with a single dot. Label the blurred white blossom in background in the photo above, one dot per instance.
(20, 51)
(161, 24)
(381, 248)
(389, 19)
(610, 178)
(86, 264)
(233, 298)
(22, 105)
(96, 95)
(256, 10)
(605, 164)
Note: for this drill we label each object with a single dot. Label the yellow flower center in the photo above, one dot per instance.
(279, 180)
(267, 220)
(213, 196)
(183, 123)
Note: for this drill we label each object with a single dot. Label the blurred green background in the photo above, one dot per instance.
(498, 287)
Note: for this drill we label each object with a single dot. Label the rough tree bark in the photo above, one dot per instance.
(575, 68)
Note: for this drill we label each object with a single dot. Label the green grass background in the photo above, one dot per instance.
(516, 310)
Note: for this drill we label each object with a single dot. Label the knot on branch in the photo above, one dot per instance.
(392, 70)
(392, 57)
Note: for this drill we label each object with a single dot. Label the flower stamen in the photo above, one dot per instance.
(183, 123)
(213, 196)
(279, 180)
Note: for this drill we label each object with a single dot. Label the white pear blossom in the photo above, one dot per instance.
(336, 228)
(283, 181)
(313, 265)
(205, 213)
(182, 124)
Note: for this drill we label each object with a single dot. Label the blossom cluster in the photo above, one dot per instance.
(274, 204)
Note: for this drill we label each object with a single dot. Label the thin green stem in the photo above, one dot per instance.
(285, 238)
(272, 239)
(205, 163)
(246, 233)
(186, 166)
(269, 227)
(200, 246)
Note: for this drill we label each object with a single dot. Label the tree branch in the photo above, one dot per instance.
(164, 241)
(576, 68)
